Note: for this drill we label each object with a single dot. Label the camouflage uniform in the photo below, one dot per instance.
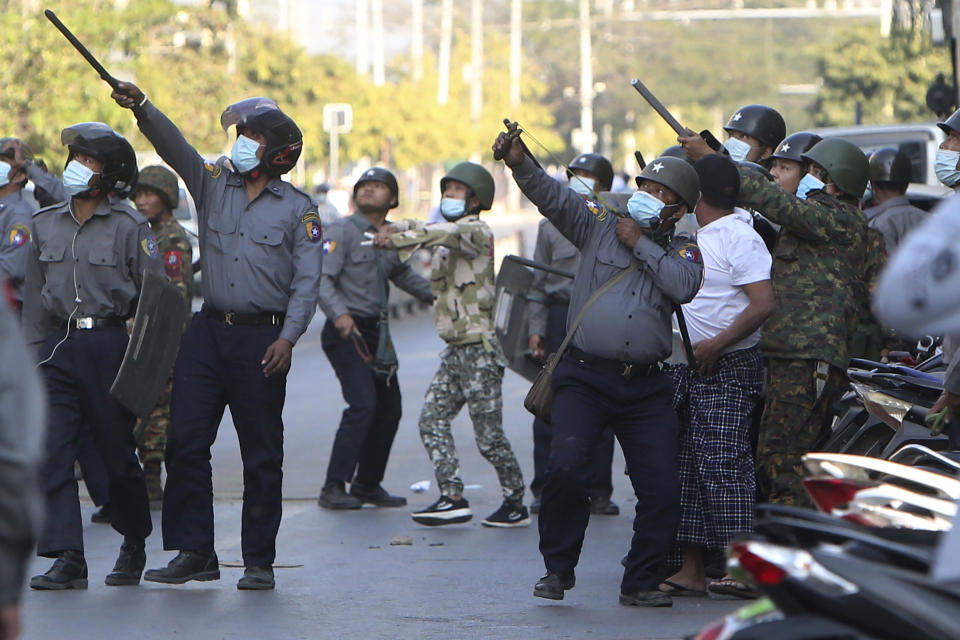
(819, 261)
(471, 367)
(173, 243)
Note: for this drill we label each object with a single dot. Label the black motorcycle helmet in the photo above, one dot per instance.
(284, 139)
(890, 165)
(758, 121)
(597, 165)
(379, 174)
(97, 140)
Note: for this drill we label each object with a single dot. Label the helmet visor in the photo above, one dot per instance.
(89, 131)
(239, 112)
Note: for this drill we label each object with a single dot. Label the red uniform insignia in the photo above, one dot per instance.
(173, 262)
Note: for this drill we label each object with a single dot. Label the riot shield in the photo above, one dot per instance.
(153, 345)
(510, 314)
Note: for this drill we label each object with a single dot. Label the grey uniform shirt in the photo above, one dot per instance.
(46, 181)
(15, 214)
(259, 256)
(894, 219)
(631, 321)
(349, 282)
(100, 262)
(553, 250)
(22, 427)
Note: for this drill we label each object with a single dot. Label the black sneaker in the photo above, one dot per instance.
(654, 598)
(510, 514)
(69, 571)
(603, 506)
(334, 496)
(101, 515)
(552, 585)
(188, 565)
(256, 579)
(444, 511)
(378, 497)
(129, 566)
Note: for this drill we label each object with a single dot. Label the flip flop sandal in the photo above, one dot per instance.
(678, 590)
(732, 588)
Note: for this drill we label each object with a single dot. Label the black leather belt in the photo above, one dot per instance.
(93, 323)
(269, 318)
(626, 369)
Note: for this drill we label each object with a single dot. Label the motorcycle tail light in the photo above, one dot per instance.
(770, 564)
(761, 569)
(830, 493)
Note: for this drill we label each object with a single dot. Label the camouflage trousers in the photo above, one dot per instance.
(793, 416)
(152, 438)
(471, 375)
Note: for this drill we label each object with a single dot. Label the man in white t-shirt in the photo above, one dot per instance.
(715, 399)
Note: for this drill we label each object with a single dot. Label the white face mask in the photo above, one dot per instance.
(946, 166)
(581, 185)
(738, 149)
(76, 177)
(5, 170)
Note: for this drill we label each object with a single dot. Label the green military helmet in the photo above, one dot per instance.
(677, 175)
(951, 124)
(890, 165)
(844, 162)
(163, 181)
(477, 178)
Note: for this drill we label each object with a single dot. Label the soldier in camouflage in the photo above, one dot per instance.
(471, 367)
(819, 267)
(156, 196)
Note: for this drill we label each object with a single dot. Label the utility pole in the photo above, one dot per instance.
(446, 34)
(363, 37)
(416, 39)
(516, 41)
(586, 80)
(378, 62)
(476, 61)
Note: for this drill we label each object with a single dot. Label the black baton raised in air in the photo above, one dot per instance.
(109, 79)
(658, 107)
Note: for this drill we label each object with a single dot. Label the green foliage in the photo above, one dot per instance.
(888, 77)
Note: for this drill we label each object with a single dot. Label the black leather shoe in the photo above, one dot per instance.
(601, 506)
(646, 599)
(188, 565)
(334, 496)
(129, 566)
(552, 585)
(535, 505)
(69, 571)
(101, 515)
(377, 497)
(256, 579)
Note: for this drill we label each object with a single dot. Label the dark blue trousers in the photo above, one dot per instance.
(219, 366)
(94, 471)
(639, 411)
(362, 445)
(601, 482)
(78, 380)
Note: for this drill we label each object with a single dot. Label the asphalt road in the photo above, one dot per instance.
(338, 574)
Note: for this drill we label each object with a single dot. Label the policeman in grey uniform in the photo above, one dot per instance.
(550, 301)
(354, 290)
(612, 375)
(84, 273)
(261, 254)
(15, 214)
(894, 216)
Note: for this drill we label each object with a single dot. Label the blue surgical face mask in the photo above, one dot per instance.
(452, 208)
(807, 184)
(76, 177)
(738, 149)
(644, 208)
(581, 185)
(244, 154)
(946, 166)
(5, 170)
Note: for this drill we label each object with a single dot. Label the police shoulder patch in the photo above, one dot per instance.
(149, 246)
(690, 252)
(309, 215)
(312, 226)
(213, 169)
(329, 246)
(19, 235)
(172, 263)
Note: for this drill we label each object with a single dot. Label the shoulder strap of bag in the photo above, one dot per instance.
(583, 310)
